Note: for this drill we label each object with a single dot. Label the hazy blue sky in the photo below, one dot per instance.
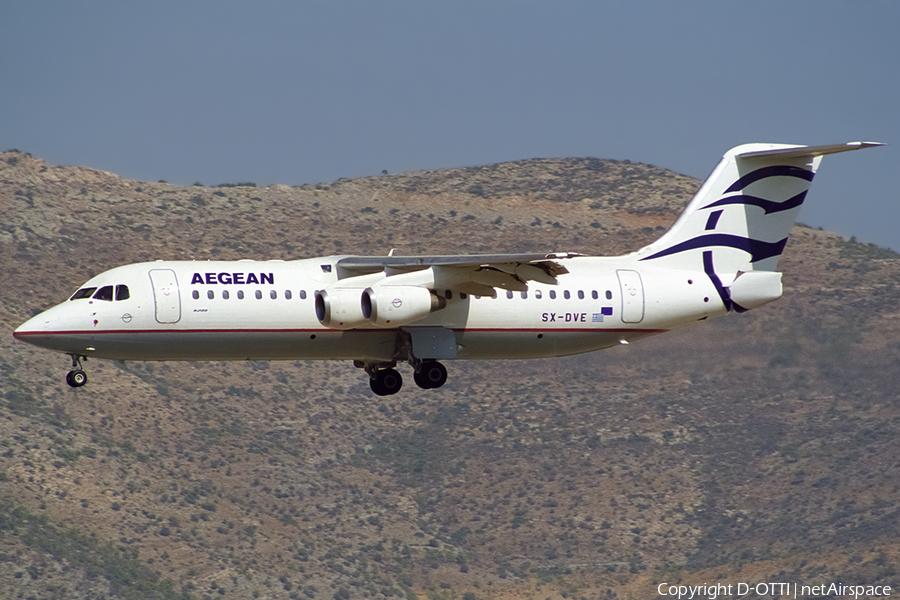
(305, 92)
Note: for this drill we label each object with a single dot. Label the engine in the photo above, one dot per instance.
(340, 308)
(396, 305)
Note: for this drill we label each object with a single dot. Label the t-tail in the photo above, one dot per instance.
(737, 225)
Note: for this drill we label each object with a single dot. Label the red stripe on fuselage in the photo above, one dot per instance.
(20, 334)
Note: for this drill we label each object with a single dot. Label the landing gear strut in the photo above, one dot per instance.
(76, 377)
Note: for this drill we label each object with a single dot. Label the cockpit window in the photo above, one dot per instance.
(122, 292)
(83, 293)
(104, 293)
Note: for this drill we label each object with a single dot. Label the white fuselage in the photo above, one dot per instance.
(257, 310)
(720, 256)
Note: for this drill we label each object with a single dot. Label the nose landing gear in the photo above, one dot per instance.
(76, 377)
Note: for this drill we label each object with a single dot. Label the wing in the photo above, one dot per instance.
(476, 274)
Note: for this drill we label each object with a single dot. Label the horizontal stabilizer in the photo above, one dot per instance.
(809, 151)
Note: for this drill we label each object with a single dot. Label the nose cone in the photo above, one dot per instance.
(58, 328)
(33, 325)
(38, 330)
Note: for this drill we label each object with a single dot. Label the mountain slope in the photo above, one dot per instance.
(759, 444)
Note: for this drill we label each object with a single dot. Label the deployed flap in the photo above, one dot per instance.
(542, 272)
(498, 279)
(476, 274)
(374, 264)
(475, 289)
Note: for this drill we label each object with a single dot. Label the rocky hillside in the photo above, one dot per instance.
(756, 448)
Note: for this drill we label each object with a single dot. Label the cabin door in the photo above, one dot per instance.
(632, 296)
(165, 295)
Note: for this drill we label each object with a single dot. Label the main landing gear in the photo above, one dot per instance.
(76, 377)
(430, 375)
(385, 380)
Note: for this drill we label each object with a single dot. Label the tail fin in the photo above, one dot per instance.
(741, 217)
(737, 225)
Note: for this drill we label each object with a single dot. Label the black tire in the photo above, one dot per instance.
(76, 378)
(386, 382)
(431, 375)
(377, 387)
(391, 380)
(421, 381)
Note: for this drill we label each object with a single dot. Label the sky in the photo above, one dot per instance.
(290, 92)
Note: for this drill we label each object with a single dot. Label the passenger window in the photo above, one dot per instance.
(537, 294)
(462, 296)
(448, 295)
(83, 293)
(273, 294)
(259, 294)
(122, 292)
(225, 295)
(240, 294)
(567, 295)
(210, 294)
(509, 295)
(581, 294)
(195, 295)
(608, 295)
(303, 294)
(553, 294)
(287, 294)
(595, 295)
(524, 295)
(104, 293)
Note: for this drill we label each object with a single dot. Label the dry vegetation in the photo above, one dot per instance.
(761, 446)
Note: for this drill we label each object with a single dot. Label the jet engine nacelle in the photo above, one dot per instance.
(340, 308)
(396, 305)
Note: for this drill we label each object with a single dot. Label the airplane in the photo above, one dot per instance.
(720, 256)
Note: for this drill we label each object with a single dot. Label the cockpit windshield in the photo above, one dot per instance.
(105, 293)
(83, 293)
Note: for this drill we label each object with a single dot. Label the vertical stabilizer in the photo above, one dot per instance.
(741, 217)
(744, 211)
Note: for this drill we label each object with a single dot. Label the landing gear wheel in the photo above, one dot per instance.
(431, 375)
(386, 382)
(76, 378)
